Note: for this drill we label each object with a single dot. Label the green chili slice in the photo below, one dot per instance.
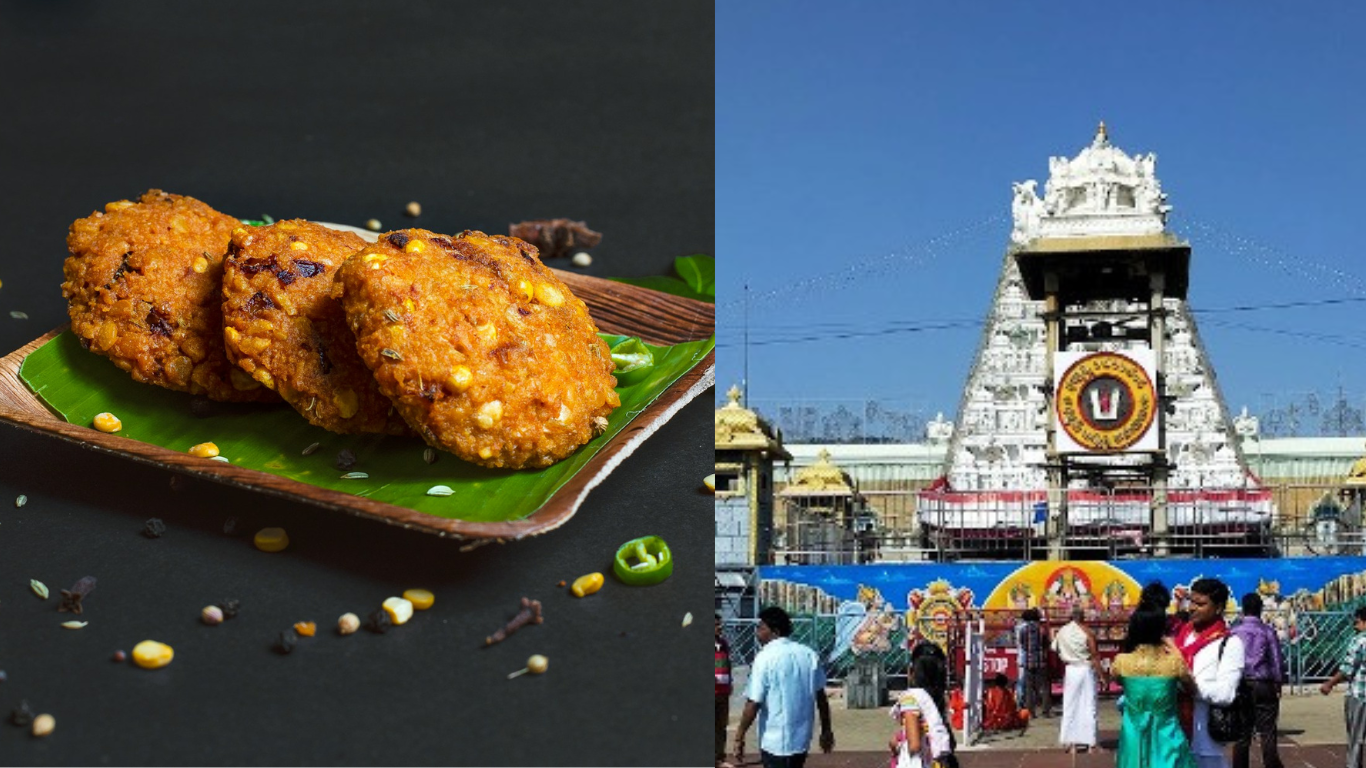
(633, 360)
(644, 561)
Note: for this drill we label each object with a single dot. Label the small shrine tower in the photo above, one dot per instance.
(824, 519)
(1091, 410)
(746, 447)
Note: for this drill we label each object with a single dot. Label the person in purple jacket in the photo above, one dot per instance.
(1263, 676)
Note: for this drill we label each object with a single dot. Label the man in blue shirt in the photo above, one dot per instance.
(786, 686)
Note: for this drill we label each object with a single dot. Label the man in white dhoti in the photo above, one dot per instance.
(1075, 644)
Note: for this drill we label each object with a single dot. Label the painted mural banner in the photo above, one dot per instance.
(888, 607)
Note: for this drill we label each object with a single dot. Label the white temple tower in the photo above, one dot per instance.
(1014, 476)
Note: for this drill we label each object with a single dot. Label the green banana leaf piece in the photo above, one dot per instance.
(78, 385)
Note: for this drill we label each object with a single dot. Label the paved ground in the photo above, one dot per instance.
(1311, 734)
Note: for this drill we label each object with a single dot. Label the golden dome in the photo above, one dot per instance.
(823, 476)
(738, 428)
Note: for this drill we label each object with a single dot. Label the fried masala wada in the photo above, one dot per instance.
(482, 349)
(143, 286)
(285, 330)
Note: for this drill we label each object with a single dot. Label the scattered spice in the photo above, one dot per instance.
(230, 526)
(149, 654)
(120, 656)
(43, 725)
(23, 714)
(312, 449)
(422, 599)
(586, 585)
(379, 621)
(348, 623)
(413, 209)
(687, 618)
(38, 587)
(22, 500)
(373, 225)
(74, 624)
(71, 598)
(530, 614)
(429, 455)
(153, 528)
(211, 615)
(536, 665)
(400, 609)
(286, 641)
(354, 476)
(561, 584)
(346, 459)
(556, 237)
(306, 628)
(392, 354)
(440, 490)
(230, 608)
(391, 315)
(582, 259)
(17, 315)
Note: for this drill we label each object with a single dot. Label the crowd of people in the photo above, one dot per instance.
(1196, 691)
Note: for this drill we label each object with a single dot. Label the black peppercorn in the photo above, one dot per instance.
(153, 528)
(286, 641)
(230, 608)
(346, 460)
(23, 715)
(379, 621)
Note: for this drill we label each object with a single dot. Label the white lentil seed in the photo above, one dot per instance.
(43, 725)
(74, 624)
(440, 490)
(582, 259)
(413, 209)
(21, 501)
(17, 315)
(373, 225)
(354, 476)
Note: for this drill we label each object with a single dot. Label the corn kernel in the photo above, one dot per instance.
(399, 610)
(306, 628)
(525, 288)
(200, 265)
(107, 422)
(490, 413)
(204, 450)
(239, 231)
(549, 295)
(347, 402)
(271, 539)
(232, 334)
(108, 334)
(488, 332)
(486, 452)
(265, 378)
(420, 598)
(117, 205)
(298, 245)
(415, 246)
(586, 585)
(374, 260)
(149, 654)
(460, 378)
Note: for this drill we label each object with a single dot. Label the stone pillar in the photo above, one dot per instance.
(1157, 326)
(1056, 523)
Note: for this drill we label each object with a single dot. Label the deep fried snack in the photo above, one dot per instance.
(282, 326)
(480, 346)
(143, 281)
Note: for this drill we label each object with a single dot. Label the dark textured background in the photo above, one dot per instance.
(485, 113)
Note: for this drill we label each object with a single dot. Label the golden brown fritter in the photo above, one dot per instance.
(283, 327)
(143, 281)
(482, 349)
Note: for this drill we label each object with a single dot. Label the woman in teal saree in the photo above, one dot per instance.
(1150, 734)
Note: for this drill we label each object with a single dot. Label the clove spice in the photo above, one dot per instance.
(555, 237)
(530, 614)
(71, 598)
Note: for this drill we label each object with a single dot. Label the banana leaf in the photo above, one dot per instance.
(77, 385)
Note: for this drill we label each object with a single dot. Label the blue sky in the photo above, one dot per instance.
(865, 152)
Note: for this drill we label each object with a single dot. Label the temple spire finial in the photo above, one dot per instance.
(1102, 136)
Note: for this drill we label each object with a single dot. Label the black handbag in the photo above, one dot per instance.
(1229, 723)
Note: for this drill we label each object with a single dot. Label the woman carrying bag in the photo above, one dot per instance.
(922, 740)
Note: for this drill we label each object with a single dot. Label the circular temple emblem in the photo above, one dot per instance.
(1106, 402)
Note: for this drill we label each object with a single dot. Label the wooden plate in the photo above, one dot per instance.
(619, 308)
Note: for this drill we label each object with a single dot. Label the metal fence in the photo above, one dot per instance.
(1313, 643)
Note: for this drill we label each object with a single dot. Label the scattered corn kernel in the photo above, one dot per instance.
(460, 378)
(211, 615)
(549, 295)
(271, 539)
(117, 205)
(107, 422)
(306, 628)
(710, 482)
(586, 585)
(200, 265)
(490, 413)
(582, 259)
(399, 609)
(43, 725)
(348, 623)
(204, 450)
(536, 665)
(149, 654)
(420, 598)
(413, 209)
